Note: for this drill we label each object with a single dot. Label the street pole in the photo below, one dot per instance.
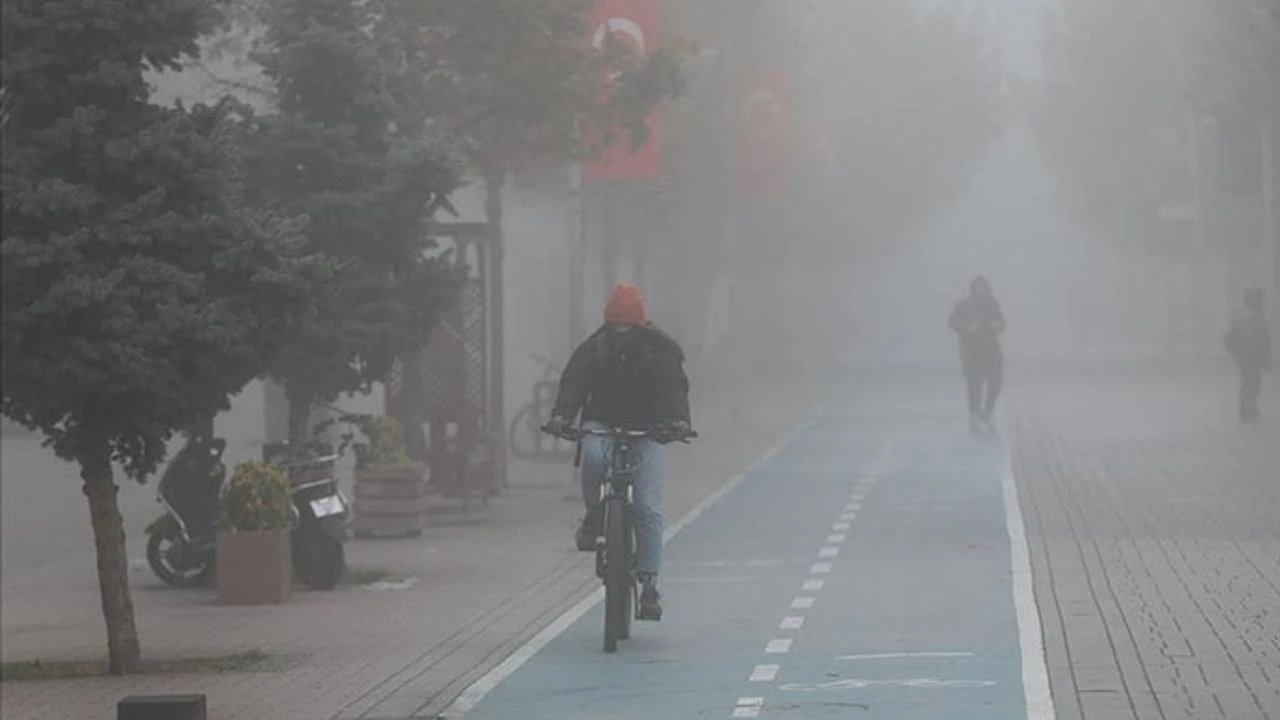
(577, 251)
(1270, 186)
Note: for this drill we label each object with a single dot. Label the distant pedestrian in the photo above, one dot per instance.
(1249, 342)
(978, 322)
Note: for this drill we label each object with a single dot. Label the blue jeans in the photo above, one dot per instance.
(648, 458)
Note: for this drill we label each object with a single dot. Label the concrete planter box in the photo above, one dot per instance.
(254, 568)
(390, 500)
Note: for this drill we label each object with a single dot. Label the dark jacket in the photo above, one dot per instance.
(1249, 340)
(978, 321)
(625, 376)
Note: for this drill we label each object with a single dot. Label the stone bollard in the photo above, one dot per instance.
(162, 707)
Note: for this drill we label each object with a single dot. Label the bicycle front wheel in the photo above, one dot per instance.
(619, 580)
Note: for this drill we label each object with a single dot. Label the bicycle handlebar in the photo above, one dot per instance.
(576, 434)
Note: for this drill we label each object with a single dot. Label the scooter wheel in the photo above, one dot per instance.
(163, 554)
(318, 559)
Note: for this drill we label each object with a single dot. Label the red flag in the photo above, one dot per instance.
(635, 24)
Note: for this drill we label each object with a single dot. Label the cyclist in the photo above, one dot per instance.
(628, 374)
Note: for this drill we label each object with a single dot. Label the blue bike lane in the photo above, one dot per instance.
(863, 571)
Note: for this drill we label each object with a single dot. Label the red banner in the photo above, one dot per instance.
(634, 23)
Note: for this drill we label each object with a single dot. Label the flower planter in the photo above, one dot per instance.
(254, 567)
(390, 500)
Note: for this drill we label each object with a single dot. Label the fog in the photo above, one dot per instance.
(913, 168)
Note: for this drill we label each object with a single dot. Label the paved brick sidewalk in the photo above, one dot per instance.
(461, 599)
(1154, 522)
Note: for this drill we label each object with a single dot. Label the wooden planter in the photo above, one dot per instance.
(254, 568)
(390, 500)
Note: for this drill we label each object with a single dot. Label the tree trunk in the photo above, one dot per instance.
(300, 402)
(113, 565)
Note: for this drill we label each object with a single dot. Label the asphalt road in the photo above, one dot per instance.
(845, 577)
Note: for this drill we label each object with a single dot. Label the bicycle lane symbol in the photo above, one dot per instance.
(865, 683)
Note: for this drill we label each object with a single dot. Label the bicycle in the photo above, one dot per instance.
(524, 434)
(616, 546)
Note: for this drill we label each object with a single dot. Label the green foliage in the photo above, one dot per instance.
(517, 84)
(384, 442)
(337, 151)
(1111, 118)
(256, 498)
(138, 292)
(1125, 83)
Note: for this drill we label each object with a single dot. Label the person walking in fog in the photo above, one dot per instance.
(1249, 342)
(978, 322)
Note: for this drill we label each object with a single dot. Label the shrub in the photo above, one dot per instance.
(256, 498)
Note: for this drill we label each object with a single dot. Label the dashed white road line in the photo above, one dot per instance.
(791, 622)
(748, 707)
(477, 691)
(764, 673)
(829, 552)
(820, 568)
(778, 646)
(804, 602)
(836, 538)
(815, 584)
(848, 517)
(841, 526)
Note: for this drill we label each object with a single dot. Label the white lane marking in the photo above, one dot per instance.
(763, 673)
(765, 563)
(778, 646)
(841, 526)
(820, 568)
(815, 584)
(709, 563)
(746, 712)
(802, 603)
(848, 517)
(1035, 675)
(836, 538)
(893, 655)
(473, 694)
(828, 552)
(750, 702)
(862, 683)
(791, 622)
(748, 707)
(858, 497)
(853, 507)
(726, 579)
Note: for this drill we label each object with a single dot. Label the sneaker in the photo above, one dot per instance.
(588, 532)
(650, 603)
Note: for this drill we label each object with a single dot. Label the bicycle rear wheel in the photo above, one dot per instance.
(618, 575)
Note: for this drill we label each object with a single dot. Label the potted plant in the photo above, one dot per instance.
(253, 557)
(390, 486)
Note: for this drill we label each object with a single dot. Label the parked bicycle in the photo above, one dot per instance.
(616, 546)
(524, 435)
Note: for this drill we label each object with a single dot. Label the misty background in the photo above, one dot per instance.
(1109, 165)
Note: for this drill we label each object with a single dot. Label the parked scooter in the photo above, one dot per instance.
(320, 514)
(180, 543)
